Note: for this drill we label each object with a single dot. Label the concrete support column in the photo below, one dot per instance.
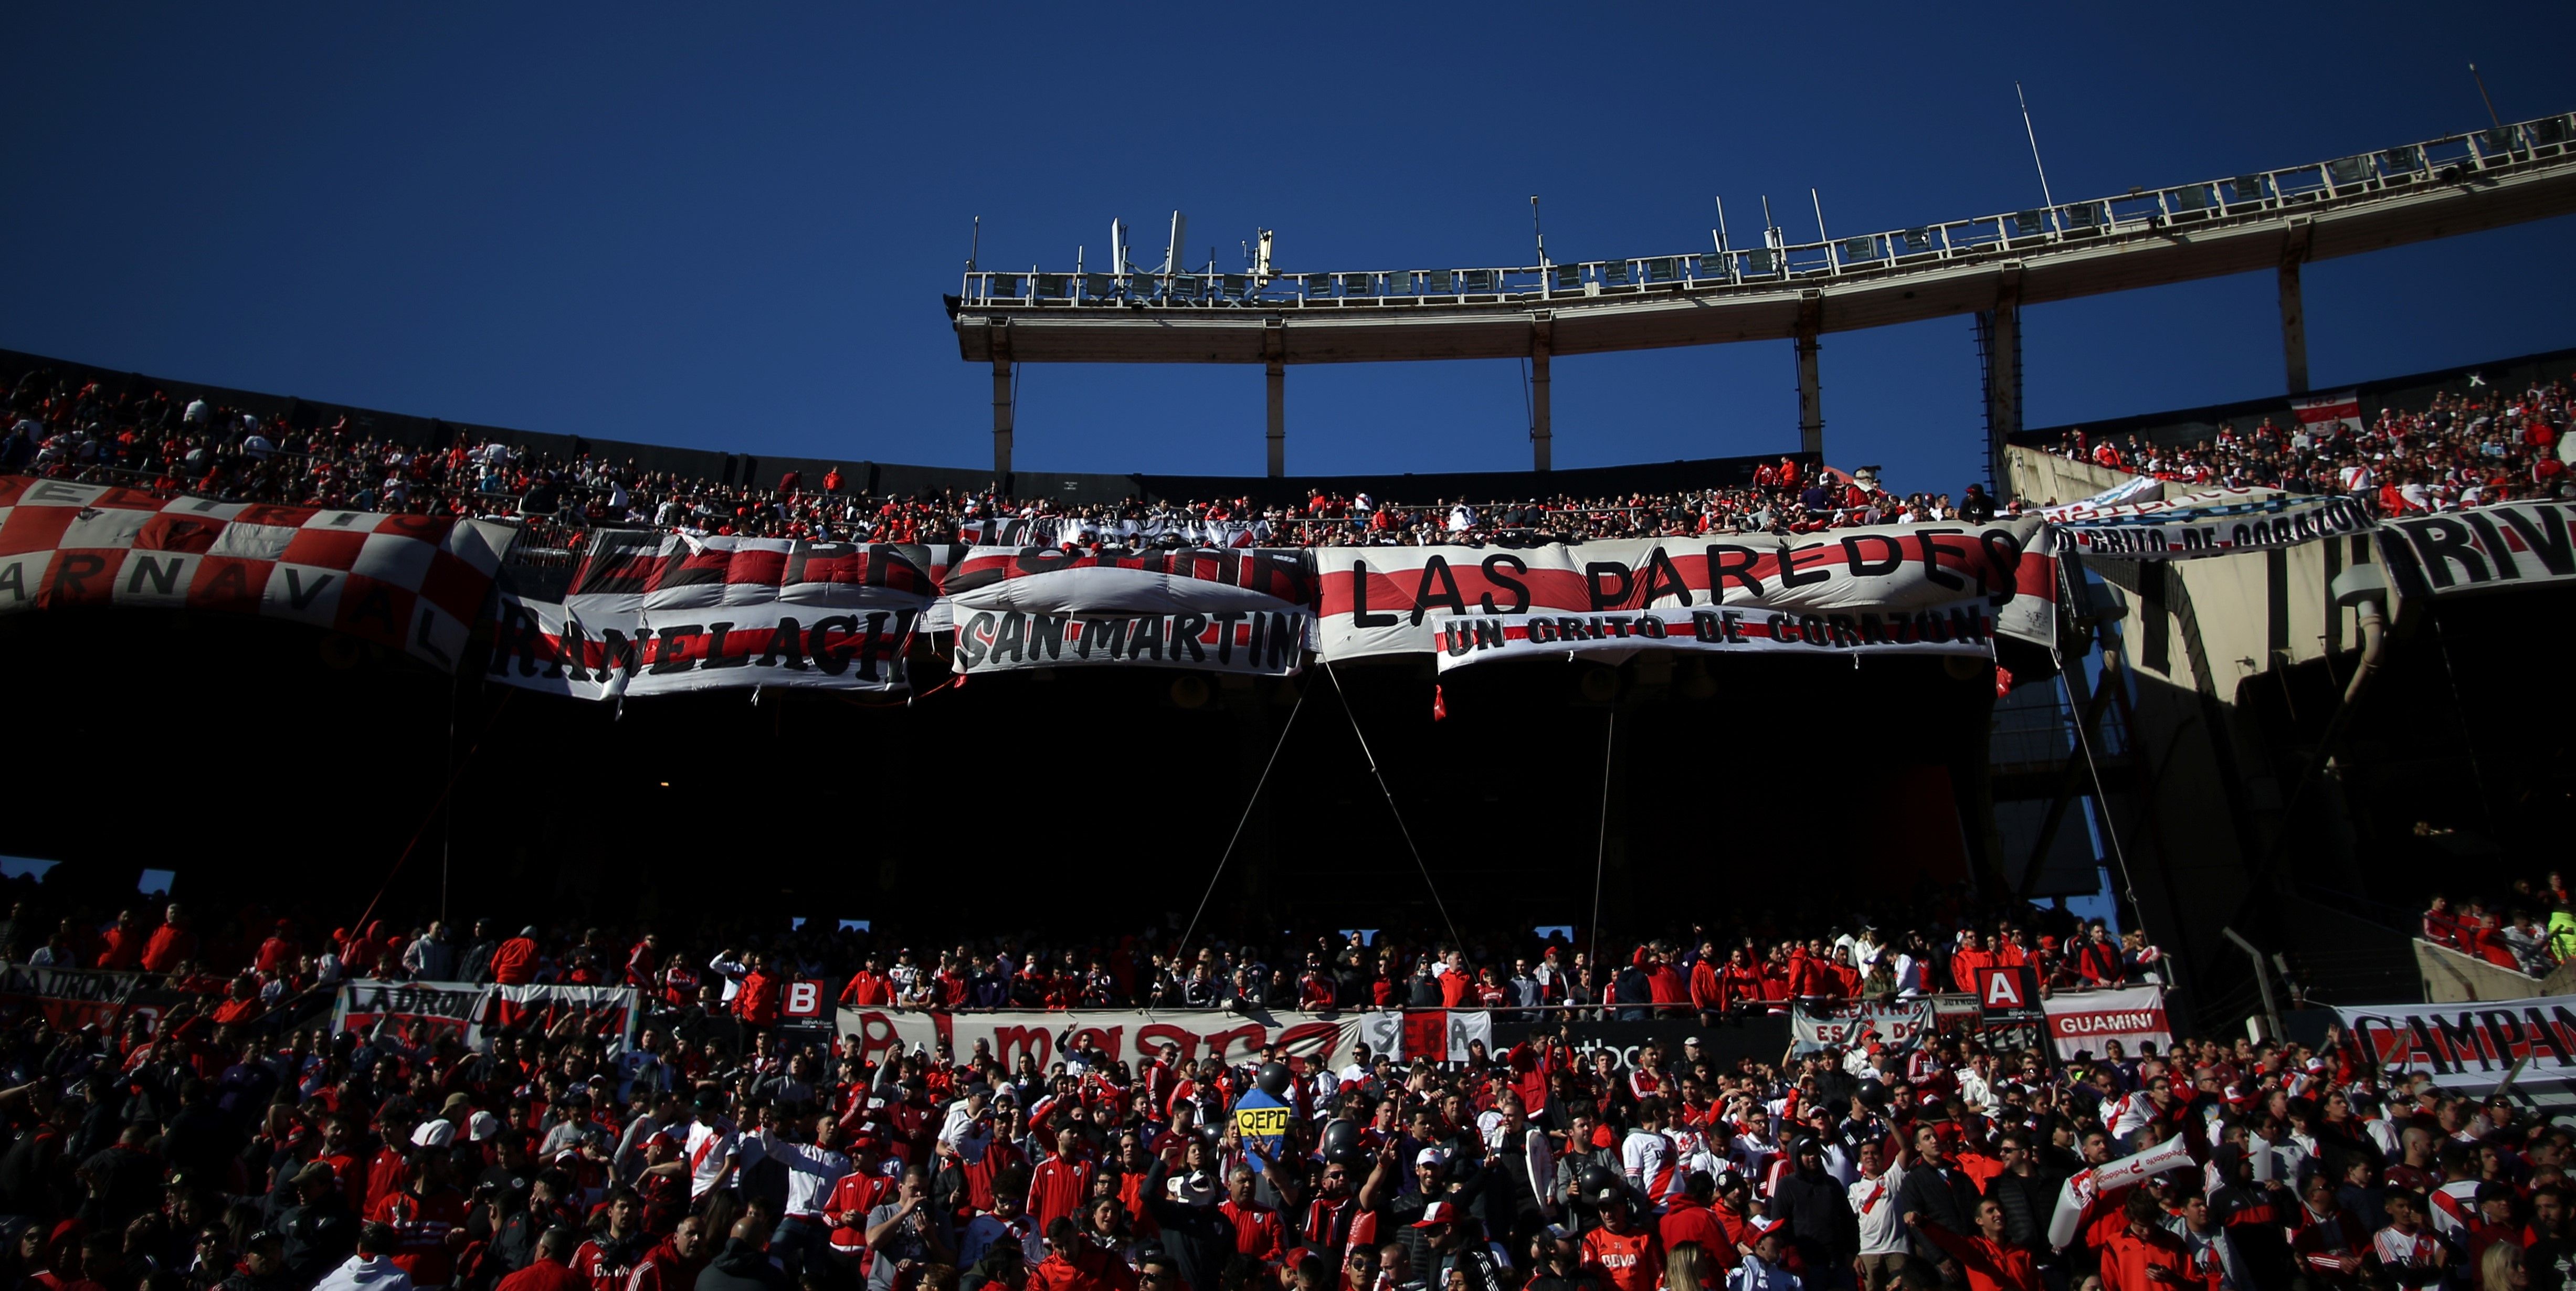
(2294, 328)
(1541, 435)
(1278, 419)
(1811, 394)
(2003, 391)
(1274, 354)
(1001, 417)
(1811, 397)
(2294, 313)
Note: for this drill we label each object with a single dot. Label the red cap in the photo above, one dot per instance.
(1436, 1214)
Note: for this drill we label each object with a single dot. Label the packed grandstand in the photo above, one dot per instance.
(1948, 1086)
(271, 1099)
(668, 1118)
(2020, 888)
(2457, 450)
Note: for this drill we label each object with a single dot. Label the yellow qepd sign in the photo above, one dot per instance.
(1260, 1122)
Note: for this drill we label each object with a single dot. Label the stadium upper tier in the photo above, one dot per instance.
(2456, 184)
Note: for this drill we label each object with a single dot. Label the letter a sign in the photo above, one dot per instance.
(2007, 992)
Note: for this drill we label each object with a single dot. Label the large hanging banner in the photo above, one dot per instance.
(655, 613)
(410, 582)
(2513, 544)
(2469, 1047)
(2087, 1021)
(1231, 610)
(1896, 1024)
(1157, 525)
(605, 1012)
(1441, 1035)
(432, 1010)
(69, 998)
(1941, 589)
(1134, 1037)
(2206, 522)
(473, 1013)
(1759, 1036)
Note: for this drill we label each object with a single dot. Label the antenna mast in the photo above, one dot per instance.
(2035, 162)
(2482, 97)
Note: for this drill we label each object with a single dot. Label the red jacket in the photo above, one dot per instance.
(1685, 1222)
(121, 948)
(545, 1275)
(756, 1001)
(1707, 992)
(1991, 1265)
(422, 1224)
(1090, 1269)
(664, 1270)
(168, 946)
(1256, 1231)
(515, 964)
(1057, 1188)
(2127, 1257)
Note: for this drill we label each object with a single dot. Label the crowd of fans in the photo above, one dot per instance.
(203, 1145)
(2462, 449)
(2507, 934)
(63, 427)
(1900, 949)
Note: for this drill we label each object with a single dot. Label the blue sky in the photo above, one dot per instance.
(730, 226)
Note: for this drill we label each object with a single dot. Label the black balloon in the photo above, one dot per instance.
(1274, 1079)
(1342, 1141)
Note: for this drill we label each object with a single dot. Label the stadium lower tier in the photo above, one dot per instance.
(244, 753)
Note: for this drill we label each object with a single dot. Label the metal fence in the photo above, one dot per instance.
(2139, 212)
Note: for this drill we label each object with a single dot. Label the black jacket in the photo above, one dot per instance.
(1821, 1223)
(1200, 1239)
(131, 1186)
(515, 1246)
(318, 1236)
(2027, 1203)
(1945, 1196)
(742, 1267)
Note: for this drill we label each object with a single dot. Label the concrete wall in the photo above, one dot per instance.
(2254, 611)
(2453, 978)
(2196, 631)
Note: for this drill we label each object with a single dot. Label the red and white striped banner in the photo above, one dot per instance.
(409, 582)
(1942, 589)
(1236, 610)
(654, 613)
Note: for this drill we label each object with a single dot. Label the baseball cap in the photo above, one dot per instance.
(484, 1126)
(315, 1172)
(1431, 1156)
(1436, 1214)
(434, 1134)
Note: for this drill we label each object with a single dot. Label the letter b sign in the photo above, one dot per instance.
(804, 999)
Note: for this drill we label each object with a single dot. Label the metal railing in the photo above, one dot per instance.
(2137, 213)
(1942, 1002)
